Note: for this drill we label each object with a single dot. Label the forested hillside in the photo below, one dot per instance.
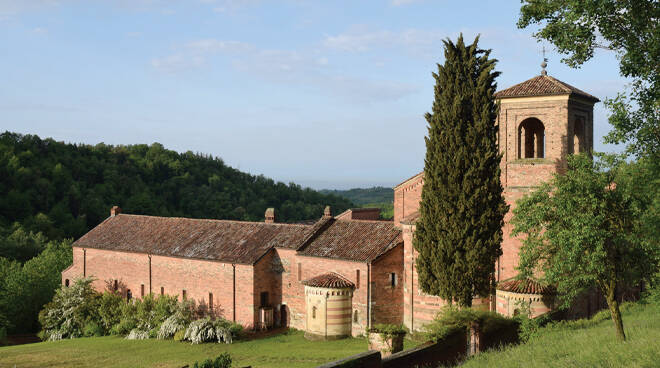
(380, 197)
(63, 190)
(362, 196)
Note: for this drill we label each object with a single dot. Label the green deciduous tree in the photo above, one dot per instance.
(459, 232)
(586, 229)
(631, 29)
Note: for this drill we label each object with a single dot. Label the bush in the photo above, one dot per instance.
(222, 361)
(452, 319)
(201, 330)
(173, 324)
(388, 330)
(92, 329)
(110, 310)
(71, 309)
(137, 334)
(180, 335)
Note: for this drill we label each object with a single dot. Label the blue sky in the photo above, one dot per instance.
(327, 94)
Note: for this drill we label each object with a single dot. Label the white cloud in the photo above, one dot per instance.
(403, 2)
(177, 62)
(360, 39)
(39, 30)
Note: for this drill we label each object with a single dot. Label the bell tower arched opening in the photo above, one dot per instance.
(579, 144)
(531, 139)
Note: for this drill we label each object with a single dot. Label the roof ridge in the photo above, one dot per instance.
(559, 83)
(214, 220)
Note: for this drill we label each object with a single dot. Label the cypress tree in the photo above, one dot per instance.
(459, 231)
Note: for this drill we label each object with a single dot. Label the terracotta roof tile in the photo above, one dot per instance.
(221, 240)
(329, 280)
(360, 240)
(526, 286)
(543, 85)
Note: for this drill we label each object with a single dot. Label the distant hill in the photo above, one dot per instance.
(63, 190)
(380, 197)
(362, 196)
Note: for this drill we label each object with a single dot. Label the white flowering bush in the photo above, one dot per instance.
(137, 334)
(201, 330)
(173, 324)
(68, 313)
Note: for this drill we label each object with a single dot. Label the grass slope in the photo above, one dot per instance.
(587, 343)
(287, 350)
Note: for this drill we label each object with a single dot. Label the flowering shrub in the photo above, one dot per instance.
(173, 324)
(137, 334)
(70, 310)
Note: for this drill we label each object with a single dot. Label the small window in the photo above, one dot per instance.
(264, 298)
(393, 280)
(314, 312)
(299, 272)
(142, 290)
(116, 286)
(129, 295)
(183, 294)
(162, 290)
(66, 282)
(355, 316)
(210, 301)
(357, 279)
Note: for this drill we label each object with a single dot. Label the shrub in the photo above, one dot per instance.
(71, 309)
(92, 329)
(137, 334)
(110, 310)
(387, 330)
(173, 324)
(201, 330)
(452, 319)
(222, 361)
(180, 335)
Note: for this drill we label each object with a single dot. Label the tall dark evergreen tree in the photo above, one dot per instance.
(459, 232)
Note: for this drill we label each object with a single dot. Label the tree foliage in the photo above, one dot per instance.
(586, 229)
(631, 29)
(459, 232)
(63, 190)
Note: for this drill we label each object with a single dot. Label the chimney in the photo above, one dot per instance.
(114, 211)
(327, 213)
(270, 215)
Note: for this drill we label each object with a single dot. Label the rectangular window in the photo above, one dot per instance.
(142, 290)
(162, 290)
(183, 294)
(116, 286)
(393, 279)
(357, 279)
(299, 272)
(264, 298)
(210, 301)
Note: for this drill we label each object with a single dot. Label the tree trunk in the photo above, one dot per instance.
(615, 312)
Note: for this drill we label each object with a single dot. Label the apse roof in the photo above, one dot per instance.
(525, 286)
(329, 280)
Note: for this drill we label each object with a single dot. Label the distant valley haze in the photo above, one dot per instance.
(329, 95)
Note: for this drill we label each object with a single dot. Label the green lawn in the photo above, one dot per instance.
(587, 343)
(286, 350)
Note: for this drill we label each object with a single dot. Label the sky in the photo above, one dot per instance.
(326, 94)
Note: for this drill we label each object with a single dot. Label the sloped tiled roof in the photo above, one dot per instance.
(221, 240)
(543, 85)
(329, 280)
(409, 179)
(360, 240)
(525, 286)
(410, 219)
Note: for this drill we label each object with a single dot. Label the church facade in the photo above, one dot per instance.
(344, 273)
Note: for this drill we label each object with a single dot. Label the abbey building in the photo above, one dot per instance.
(343, 273)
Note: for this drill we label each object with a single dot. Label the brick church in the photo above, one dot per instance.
(343, 273)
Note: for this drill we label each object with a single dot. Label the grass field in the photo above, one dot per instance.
(287, 350)
(587, 343)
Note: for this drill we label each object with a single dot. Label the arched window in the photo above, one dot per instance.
(314, 312)
(66, 282)
(355, 316)
(531, 139)
(578, 136)
(129, 295)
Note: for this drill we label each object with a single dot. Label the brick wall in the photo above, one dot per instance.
(407, 196)
(197, 277)
(387, 300)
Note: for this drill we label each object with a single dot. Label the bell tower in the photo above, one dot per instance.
(541, 121)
